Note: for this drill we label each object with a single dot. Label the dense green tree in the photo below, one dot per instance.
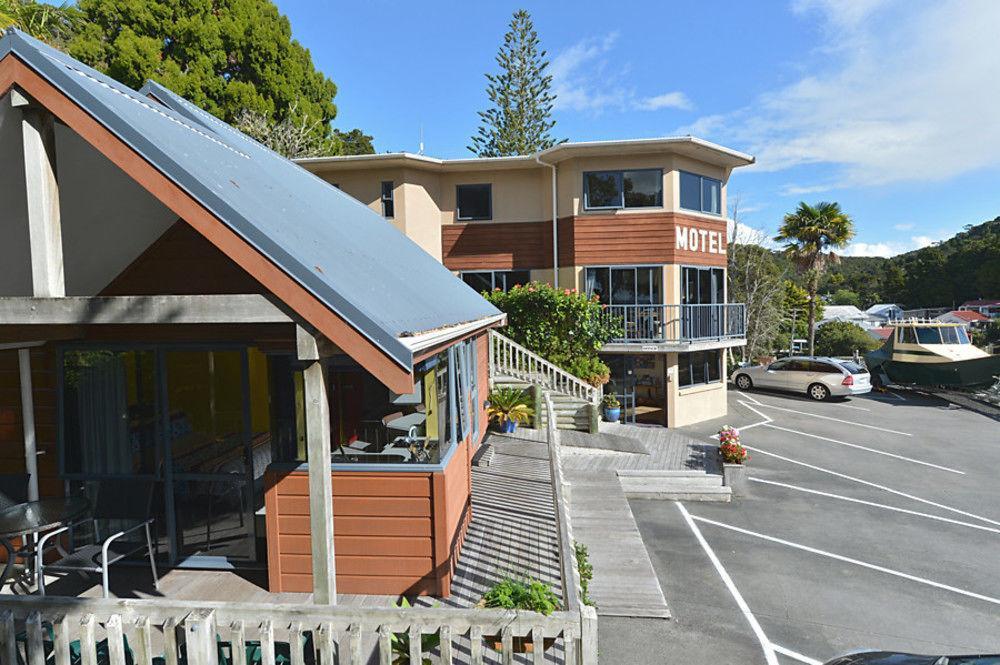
(810, 234)
(795, 314)
(354, 142)
(54, 24)
(845, 297)
(226, 56)
(519, 120)
(757, 280)
(843, 338)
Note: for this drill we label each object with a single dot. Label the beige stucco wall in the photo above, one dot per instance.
(519, 195)
(421, 193)
(686, 406)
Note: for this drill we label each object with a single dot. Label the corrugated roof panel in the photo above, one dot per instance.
(348, 256)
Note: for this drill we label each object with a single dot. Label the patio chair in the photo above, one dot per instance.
(13, 489)
(123, 507)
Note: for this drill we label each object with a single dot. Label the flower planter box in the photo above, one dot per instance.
(735, 476)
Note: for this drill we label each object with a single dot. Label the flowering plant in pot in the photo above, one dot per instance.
(734, 456)
(509, 407)
(612, 408)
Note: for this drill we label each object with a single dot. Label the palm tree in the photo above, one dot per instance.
(810, 234)
(50, 23)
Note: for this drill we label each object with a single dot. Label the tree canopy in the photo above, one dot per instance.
(843, 338)
(54, 24)
(519, 120)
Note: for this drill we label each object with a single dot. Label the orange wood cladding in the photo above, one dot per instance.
(43, 380)
(583, 240)
(394, 533)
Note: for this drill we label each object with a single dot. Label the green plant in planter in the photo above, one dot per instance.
(401, 642)
(593, 370)
(586, 570)
(509, 404)
(610, 402)
(521, 594)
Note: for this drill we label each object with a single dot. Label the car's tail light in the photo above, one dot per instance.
(848, 380)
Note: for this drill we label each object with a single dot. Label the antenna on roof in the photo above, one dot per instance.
(421, 150)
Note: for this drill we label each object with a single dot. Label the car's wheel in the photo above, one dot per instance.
(743, 382)
(818, 392)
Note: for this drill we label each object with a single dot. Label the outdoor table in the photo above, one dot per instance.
(33, 517)
(404, 423)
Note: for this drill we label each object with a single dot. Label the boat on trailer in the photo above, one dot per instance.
(932, 353)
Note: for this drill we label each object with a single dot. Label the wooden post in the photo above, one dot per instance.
(317, 409)
(199, 632)
(28, 423)
(42, 190)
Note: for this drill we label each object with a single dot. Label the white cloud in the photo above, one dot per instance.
(902, 227)
(798, 190)
(899, 91)
(583, 80)
(888, 248)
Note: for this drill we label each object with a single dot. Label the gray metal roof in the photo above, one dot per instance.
(349, 257)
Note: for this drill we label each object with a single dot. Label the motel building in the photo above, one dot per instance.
(639, 223)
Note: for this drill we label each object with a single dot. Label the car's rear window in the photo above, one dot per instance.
(853, 367)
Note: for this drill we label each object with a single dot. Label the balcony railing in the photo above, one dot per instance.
(657, 324)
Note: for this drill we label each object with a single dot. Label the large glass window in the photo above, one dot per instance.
(625, 285)
(388, 203)
(474, 202)
(490, 280)
(613, 190)
(700, 367)
(701, 193)
(703, 286)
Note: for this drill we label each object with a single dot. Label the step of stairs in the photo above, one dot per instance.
(669, 485)
(572, 413)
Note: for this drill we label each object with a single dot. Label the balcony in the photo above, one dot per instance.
(677, 327)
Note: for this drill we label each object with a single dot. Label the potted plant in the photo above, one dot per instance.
(612, 408)
(734, 457)
(509, 406)
(520, 594)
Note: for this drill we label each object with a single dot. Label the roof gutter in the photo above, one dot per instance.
(555, 220)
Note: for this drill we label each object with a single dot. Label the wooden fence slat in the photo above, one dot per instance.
(200, 635)
(116, 640)
(170, 641)
(384, 645)
(8, 637)
(476, 645)
(355, 639)
(238, 642)
(588, 635)
(324, 644)
(507, 643)
(295, 644)
(35, 645)
(446, 647)
(267, 642)
(88, 640)
(60, 649)
(569, 646)
(415, 650)
(538, 645)
(143, 642)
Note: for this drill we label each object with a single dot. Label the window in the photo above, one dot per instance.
(625, 285)
(700, 367)
(490, 280)
(614, 190)
(907, 335)
(928, 335)
(703, 286)
(474, 202)
(388, 205)
(701, 193)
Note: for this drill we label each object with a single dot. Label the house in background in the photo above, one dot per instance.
(885, 312)
(966, 317)
(184, 306)
(850, 314)
(989, 307)
(641, 224)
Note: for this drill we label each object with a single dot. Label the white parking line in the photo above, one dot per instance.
(799, 488)
(875, 485)
(765, 643)
(795, 655)
(836, 420)
(856, 562)
(865, 448)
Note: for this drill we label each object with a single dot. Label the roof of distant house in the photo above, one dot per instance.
(843, 312)
(968, 315)
(346, 255)
(875, 309)
(981, 303)
(881, 333)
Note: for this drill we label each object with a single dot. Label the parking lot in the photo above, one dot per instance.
(870, 523)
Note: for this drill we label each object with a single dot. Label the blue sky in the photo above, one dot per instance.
(891, 107)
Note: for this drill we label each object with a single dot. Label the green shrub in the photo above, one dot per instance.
(592, 370)
(842, 338)
(586, 570)
(522, 594)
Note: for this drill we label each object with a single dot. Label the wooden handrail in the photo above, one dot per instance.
(509, 358)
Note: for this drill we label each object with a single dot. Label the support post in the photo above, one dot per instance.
(42, 190)
(318, 451)
(28, 423)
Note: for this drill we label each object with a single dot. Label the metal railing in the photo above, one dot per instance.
(677, 323)
(40, 629)
(508, 358)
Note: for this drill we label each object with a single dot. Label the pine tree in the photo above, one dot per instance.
(519, 121)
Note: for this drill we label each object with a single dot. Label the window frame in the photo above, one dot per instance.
(717, 274)
(701, 193)
(489, 205)
(656, 271)
(494, 285)
(388, 199)
(705, 370)
(620, 176)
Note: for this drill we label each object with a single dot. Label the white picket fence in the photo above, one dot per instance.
(37, 630)
(510, 359)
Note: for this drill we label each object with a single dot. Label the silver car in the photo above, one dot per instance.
(819, 378)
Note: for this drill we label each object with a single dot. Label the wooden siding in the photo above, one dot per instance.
(592, 239)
